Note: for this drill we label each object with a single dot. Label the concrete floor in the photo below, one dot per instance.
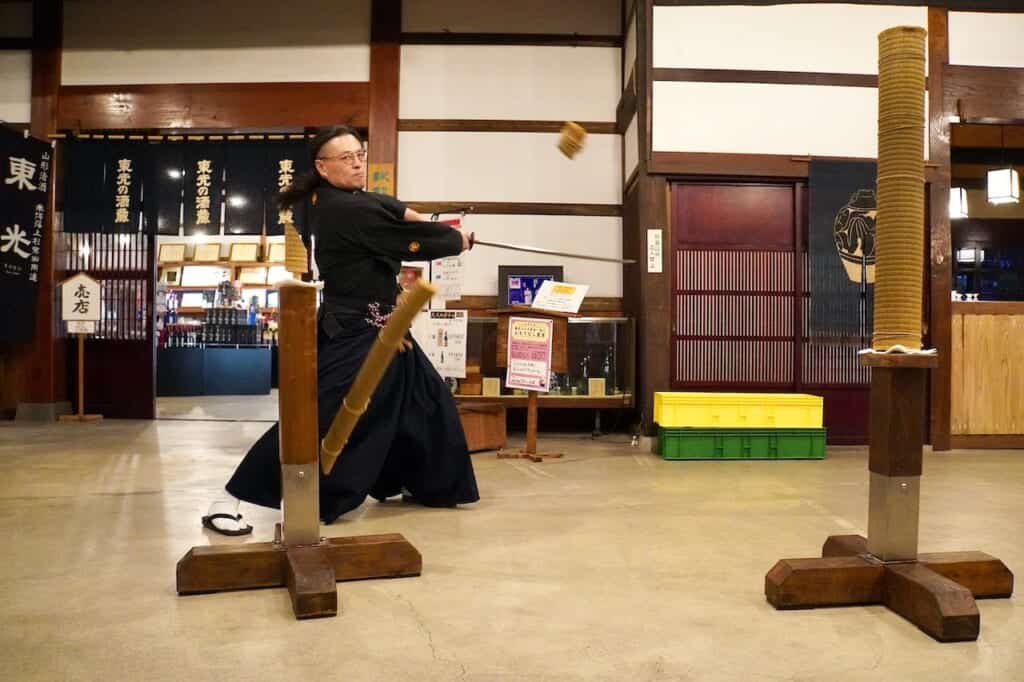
(608, 565)
(219, 407)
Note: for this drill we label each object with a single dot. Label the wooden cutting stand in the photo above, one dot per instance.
(936, 592)
(299, 558)
(559, 363)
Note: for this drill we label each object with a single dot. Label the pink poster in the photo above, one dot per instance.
(529, 354)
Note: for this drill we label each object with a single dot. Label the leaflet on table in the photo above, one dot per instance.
(561, 297)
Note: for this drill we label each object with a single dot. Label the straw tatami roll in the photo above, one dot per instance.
(900, 227)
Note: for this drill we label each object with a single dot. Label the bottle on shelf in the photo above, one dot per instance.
(585, 374)
(608, 371)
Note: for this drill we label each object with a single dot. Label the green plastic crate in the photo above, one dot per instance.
(741, 443)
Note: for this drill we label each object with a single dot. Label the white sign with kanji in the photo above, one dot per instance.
(80, 298)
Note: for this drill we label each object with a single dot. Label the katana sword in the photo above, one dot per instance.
(473, 241)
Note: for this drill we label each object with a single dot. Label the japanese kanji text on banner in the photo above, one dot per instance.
(26, 167)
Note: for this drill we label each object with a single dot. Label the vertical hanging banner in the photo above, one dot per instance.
(26, 170)
(204, 176)
(529, 353)
(244, 190)
(125, 175)
(841, 247)
(164, 173)
(285, 161)
(86, 208)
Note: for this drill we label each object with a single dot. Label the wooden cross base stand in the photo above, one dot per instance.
(80, 417)
(308, 571)
(936, 593)
(530, 451)
(532, 456)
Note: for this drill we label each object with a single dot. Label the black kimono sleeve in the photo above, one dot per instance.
(411, 241)
(393, 205)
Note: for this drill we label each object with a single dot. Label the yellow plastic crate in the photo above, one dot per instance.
(738, 410)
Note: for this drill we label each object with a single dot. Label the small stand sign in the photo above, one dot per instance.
(80, 309)
(530, 343)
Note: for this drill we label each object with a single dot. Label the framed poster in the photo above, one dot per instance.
(519, 284)
(171, 253)
(243, 252)
(252, 275)
(275, 252)
(206, 253)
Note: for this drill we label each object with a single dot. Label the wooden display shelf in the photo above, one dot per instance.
(213, 287)
(621, 400)
(196, 311)
(221, 263)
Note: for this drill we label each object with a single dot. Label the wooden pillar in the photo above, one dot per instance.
(40, 377)
(297, 407)
(654, 296)
(941, 248)
(385, 62)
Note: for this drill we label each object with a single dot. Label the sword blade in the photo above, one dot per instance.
(549, 252)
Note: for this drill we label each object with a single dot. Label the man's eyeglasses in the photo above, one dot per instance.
(347, 157)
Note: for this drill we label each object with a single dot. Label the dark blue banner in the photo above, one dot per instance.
(204, 184)
(245, 187)
(163, 188)
(285, 162)
(125, 175)
(26, 177)
(86, 205)
(841, 248)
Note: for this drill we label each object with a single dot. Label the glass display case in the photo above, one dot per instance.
(990, 271)
(601, 359)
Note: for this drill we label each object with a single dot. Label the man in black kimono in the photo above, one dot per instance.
(410, 438)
